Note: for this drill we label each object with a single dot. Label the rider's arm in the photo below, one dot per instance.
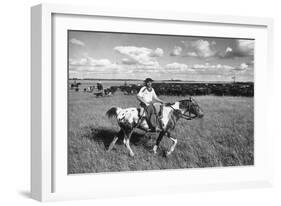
(155, 97)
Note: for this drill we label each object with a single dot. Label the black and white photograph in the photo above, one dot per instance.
(139, 102)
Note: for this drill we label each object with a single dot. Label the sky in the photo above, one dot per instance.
(102, 55)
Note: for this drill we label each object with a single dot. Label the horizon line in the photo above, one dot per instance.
(156, 80)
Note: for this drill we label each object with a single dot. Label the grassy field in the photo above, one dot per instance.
(225, 137)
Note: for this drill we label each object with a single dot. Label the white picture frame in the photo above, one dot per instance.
(49, 179)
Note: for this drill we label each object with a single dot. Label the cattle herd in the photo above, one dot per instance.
(182, 89)
(193, 89)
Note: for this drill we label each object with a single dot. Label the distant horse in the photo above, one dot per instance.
(129, 119)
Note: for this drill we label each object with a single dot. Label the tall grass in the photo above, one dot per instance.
(223, 138)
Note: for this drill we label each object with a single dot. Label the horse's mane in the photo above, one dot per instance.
(169, 104)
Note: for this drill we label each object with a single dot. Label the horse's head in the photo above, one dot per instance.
(189, 107)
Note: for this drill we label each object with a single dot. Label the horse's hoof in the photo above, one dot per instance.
(167, 153)
(109, 149)
(132, 154)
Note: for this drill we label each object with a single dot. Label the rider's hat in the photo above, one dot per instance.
(148, 80)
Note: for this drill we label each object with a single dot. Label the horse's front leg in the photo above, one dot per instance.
(174, 143)
(160, 137)
(126, 141)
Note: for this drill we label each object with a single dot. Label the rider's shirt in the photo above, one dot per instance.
(147, 96)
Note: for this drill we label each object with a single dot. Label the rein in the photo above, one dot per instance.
(184, 116)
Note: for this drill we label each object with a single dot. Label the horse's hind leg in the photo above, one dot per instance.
(112, 143)
(127, 142)
(114, 140)
(174, 144)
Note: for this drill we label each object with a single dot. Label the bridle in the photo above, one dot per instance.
(188, 116)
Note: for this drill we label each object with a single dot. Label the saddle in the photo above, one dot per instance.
(157, 111)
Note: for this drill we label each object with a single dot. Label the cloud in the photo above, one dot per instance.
(127, 61)
(100, 62)
(157, 53)
(251, 63)
(177, 67)
(208, 66)
(78, 62)
(89, 61)
(242, 67)
(77, 42)
(176, 51)
(89, 64)
(241, 48)
(201, 48)
(213, 43)
(246, 47)
(221, 69)
(140, 56)
(192, 54)
(213, 69)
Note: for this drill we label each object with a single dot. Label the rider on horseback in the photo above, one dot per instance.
(146, 96)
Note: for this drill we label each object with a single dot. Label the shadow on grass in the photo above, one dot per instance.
(105, 136)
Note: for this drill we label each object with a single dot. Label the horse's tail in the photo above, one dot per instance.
(112, 112)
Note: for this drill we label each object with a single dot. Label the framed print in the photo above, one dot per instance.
(153, 102)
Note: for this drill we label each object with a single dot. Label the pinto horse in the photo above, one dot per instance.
(129, 119)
